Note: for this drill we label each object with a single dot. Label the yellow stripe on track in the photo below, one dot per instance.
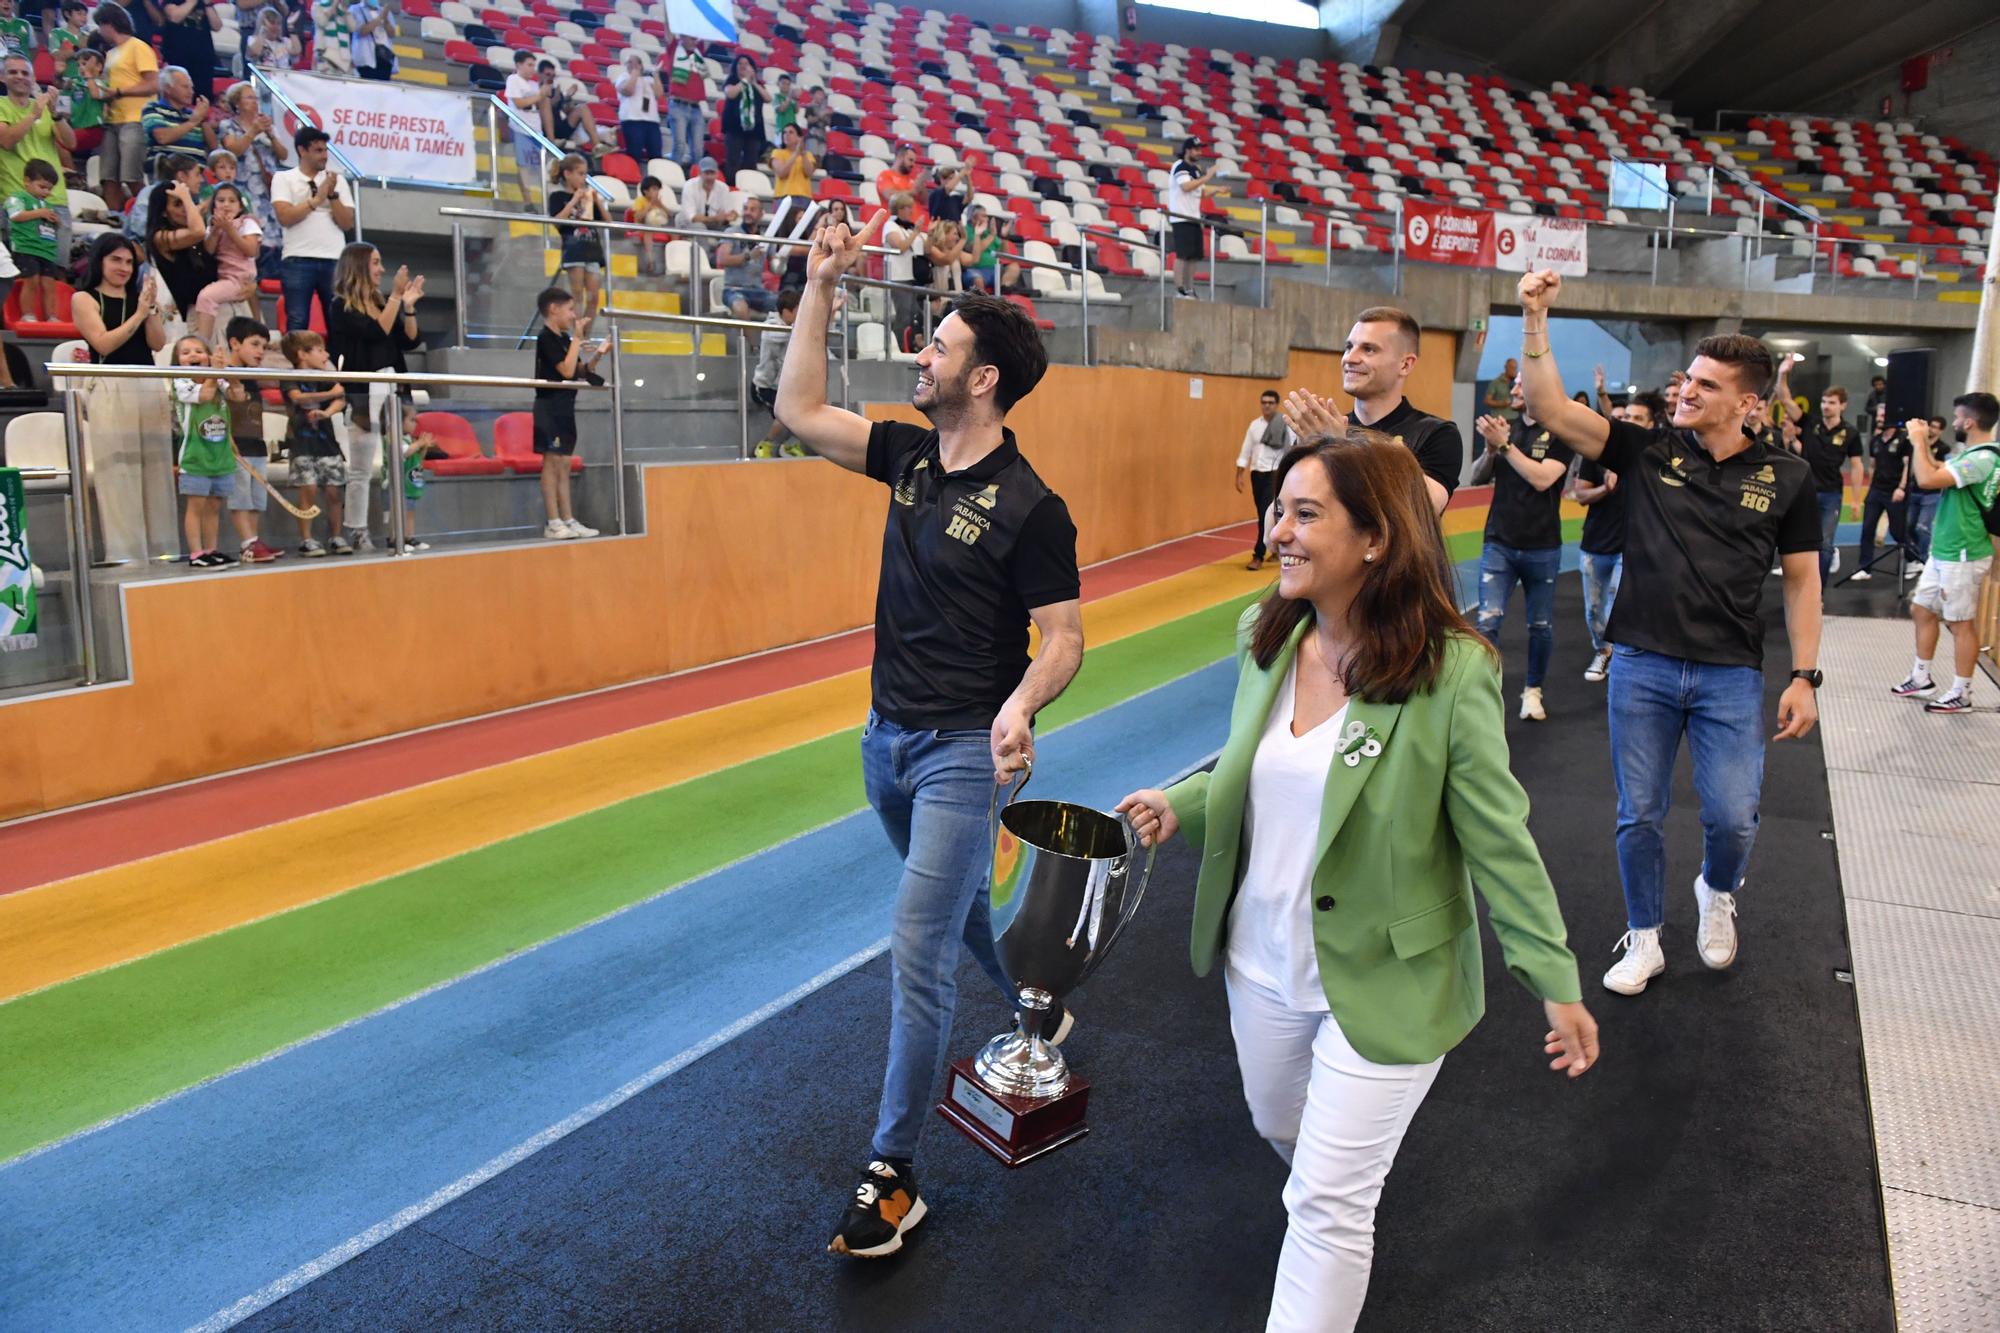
(62, 930)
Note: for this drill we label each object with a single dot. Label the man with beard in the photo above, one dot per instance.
(976, 546)
(1380, 354)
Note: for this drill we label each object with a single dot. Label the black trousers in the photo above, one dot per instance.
(1263, 489)
(1873, 506)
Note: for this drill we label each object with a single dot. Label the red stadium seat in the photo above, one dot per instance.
(316, 321)
(59, 329)
(514, 444)
(454, 435)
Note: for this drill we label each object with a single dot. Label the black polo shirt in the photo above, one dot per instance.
(1699, 537)
(1889, 457)
(964, 557)
(1826, 449)
(1439, 448)
(1604, 521)
(1521, 516)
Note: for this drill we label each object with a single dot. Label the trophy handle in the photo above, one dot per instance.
(1129, 903)
(994, 809)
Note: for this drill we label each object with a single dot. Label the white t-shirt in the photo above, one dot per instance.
(643, 104)
(1183, 200)
(1264, 444)
(316, 235)
(1271, 921)
(519, 89)
(899, 267)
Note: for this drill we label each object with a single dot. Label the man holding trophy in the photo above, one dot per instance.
(976, 547)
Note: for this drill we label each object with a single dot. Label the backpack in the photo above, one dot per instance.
(1990, 514)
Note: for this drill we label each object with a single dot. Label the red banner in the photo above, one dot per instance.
(1438, 234)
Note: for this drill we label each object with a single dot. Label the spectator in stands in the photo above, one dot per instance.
(175, 230)
(1962, 546)
(687, 102)
(247, 132)
(176, 122)
(1264, 444)
(314, 208)
(371, 31)
(32, 130)
(1672, 393)
(1706, 505)
(87, 95)
(574, 198)
(17, 35)
(900, 235)
(899, 177)
(650, 210)
(131, 474)
(742, 266)
(567, 121)
(69, 37)
(950, 195)
(1501, 392)
(1380, 354)
(310, 443)
(368, 331)
(764, 378)
(1831, 447)
(706, 201)
(221, 171)
(167, 171)
(944, 248)
(1601, 558)
(1188, 183)
(792, 166)
(814, 117)
(1889, 476)
(560, 356)
(245, 341)
(331, 51)
(1523, 536)
(131, 76)
(639, 110)
(986, 238)
(524, 94)
(31, 239)
(743, 102)
(204, 457)
(234, 238)
(270, 46)
(784, 106)
(794, 275)
(187, 40)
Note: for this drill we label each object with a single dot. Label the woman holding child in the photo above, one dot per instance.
(132, 473)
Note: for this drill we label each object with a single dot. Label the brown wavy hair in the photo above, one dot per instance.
(1404, 613)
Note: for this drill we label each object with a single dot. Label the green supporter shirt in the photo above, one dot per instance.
(38, 237)
(18, 35)
(203, 431)
(85, 112)
(413, 475)
(75, 39)
(1959, 532)
(39, 141)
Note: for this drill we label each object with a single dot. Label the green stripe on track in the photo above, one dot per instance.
(103, 1044)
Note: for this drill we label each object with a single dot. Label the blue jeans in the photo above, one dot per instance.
(684, 133)
(932, 791)
(641, 139)
(1923, 512)
(1499, 568)
(1653, 700)
(301, 279)
(1829, 523)
(1600, 589)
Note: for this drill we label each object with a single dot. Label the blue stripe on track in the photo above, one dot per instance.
(160, 1221)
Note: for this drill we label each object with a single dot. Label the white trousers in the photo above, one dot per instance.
(364, 453)
(130, 435)
(1338, 1120)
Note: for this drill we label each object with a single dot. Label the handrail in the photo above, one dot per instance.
(257, 76)
(743, 328)
(548, 148)
(415, 379)
(651, 229)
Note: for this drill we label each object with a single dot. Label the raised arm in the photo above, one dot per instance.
(1541, 383)
(1930, 474)
(837, 435)
(1788, 409)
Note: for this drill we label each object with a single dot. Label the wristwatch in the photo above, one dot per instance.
(1811, 676)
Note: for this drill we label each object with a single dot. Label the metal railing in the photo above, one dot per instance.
(82, 482)
(1916, 122)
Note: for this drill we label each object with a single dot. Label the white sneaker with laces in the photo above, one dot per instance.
(556, 530)
(578, 529)
(1531, 705)
(1600, 666)
(1643, 961)
(1716, 937)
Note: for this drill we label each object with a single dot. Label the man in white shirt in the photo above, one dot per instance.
(524, 94)
(639, 110)
(707, 202)
(900, 234)
(315, 210)
(1187, 186)
(1264, 445)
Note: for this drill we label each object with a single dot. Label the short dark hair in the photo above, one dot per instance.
(1835, 392)
(1654, 402)
(113, 16)
(308, 135)
(650, 183)
(38, 169)
(1405, 322)
(788, 299)
(1005, 338)
(1272, 394)
(550, 298)
(1983, 408)
(1752, 360)
(519, 56)
(242, 326)
(74, 7)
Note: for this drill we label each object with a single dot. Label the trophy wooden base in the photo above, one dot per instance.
(1014, 1129)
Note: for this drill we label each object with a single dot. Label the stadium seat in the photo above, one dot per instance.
(454, 435)
(59, 329)
(514, 445)
(35, 440)
(316, 321)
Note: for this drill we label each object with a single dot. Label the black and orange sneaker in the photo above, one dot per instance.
(885, 1206)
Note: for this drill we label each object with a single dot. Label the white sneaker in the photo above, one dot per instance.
(1716, 937)
(1834, 568)
(556, 530)
(1861, 576)
(1642, 962)
(1600, 666)
(578, 530)
(1912, 570)
(1531, 705)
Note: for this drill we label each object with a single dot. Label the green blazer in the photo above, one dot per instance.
(1402, 834)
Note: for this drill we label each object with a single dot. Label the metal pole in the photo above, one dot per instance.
(846, 353)
(742, 392)
(393, 451)
(1760, 226)
(458, 281)
(1812, 260)
(1214, 257)
(357, 212)
(1396, 251)
(493, 148)
(1670, 220)
(617, 429)
(79, 534)
(1654, 281)
(1329, 249)
(1263, 249)
(1083, 287)
(1163, 277)
(1711, 191)
(1917, 275)
(694, 296)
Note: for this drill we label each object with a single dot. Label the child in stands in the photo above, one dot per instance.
(245, 340)
(764, 379)
(416, 453)
(650, 210)
(31, 237)
(222, 169)
(86, 92)
(315, 454)
(234, 238)
(559, 356)
(204, 456)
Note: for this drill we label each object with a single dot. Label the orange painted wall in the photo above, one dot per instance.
(738, 558)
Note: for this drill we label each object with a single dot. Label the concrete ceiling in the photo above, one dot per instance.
(1704, 55)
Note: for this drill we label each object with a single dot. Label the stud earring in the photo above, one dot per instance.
(1369, 555)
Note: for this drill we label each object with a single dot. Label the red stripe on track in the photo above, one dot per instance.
(129, 828)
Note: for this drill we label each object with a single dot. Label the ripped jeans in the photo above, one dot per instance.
(1500, 568)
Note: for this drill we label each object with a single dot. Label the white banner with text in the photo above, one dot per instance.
(419, 134)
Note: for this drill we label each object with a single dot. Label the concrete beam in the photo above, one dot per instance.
(1664, 43)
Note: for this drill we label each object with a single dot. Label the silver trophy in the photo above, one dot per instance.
(1064, 889)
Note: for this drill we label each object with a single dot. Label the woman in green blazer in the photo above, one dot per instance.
(1364, 786)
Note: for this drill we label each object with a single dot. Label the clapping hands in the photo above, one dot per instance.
(1311, 416)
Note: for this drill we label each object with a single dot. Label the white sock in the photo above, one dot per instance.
(1961, 686)
(1919, 667)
